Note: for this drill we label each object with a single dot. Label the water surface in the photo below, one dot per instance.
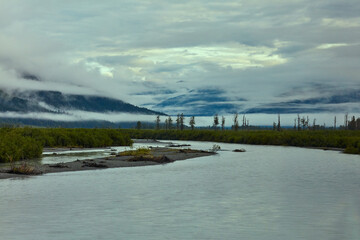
(265, 193)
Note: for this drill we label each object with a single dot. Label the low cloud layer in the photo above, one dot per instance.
(150, 53)
(255, 119)
(72, 116)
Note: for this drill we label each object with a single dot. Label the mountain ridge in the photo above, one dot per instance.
(58, 102)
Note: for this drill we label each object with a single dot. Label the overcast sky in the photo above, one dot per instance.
(176, 56)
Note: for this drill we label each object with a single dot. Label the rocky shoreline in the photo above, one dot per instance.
(159, 155)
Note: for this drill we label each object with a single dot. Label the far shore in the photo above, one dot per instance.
(166, 155)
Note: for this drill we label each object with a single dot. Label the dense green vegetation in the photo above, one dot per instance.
(15, 146)
(345, 139)
(25, 143)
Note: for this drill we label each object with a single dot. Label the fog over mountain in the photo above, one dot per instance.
(45, 107)
(57, 102)
(196, 57)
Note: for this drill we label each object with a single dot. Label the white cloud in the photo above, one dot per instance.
(257, 50)
(331, 45)
(233, 55)
(341, 22)
(70, 116)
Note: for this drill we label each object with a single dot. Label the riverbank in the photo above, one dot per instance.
(156, 156)
(346, 141)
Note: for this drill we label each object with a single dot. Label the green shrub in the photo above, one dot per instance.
(14, 146)
(26, 143)
(24, 168)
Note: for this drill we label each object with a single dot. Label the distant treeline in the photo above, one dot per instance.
(348, 140)
(300, 123)
(25, 143)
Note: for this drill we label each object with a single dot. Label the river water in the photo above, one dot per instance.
(265, 193)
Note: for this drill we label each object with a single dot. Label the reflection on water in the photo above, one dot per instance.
(265, 193)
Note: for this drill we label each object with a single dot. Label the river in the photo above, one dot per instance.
(266, 192)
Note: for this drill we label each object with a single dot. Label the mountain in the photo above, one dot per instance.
(342, 102)
(53, 109)
(57, 102)
(201, 102)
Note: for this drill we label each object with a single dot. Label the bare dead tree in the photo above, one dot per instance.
(307, 122)
(182, 121)
(138, 125)
(192, 122)
(216, 121)
(157, 121)
(236, 122)
(346, 121)
(170, 123)
(178, 122)
(166, 124)
(278, 125)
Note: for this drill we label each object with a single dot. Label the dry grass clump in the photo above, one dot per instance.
(145, 155)
(24, 168)
(137, 152)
